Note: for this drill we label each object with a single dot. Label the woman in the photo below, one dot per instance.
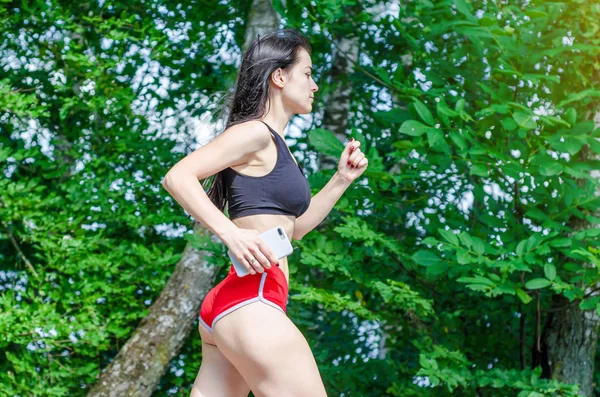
(248, 343)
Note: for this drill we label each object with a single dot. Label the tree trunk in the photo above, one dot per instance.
(569, 345)
(335, 118)
(570, 334)
(139, 365)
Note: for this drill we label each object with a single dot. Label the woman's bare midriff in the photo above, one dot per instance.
(262, 163)
(264, 222)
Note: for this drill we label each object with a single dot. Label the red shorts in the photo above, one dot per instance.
(234, 292)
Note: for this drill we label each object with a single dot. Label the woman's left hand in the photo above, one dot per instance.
(352, 162)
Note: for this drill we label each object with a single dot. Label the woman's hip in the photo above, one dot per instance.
(233, 292)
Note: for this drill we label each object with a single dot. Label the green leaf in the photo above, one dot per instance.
(383, 74)
(460, 141)
(504, 289)
(424, 112)
(476, 280)
(437, 268)
(465, 239)
(571, 116)
(449, 236)
(479, 169)
(552, 169)
(572, 145)
(590, 92)
(550, 271)
(325, 142)
(560, 242)
(488, 90)
(463, 257)
(510, 124)
(524, 296)
(524, 120)
(536, 214)
(487, 21)
(478, 245)
(435, 138)
(430, 241)
(551, 120)
(442, 108)
(478, 287)
(569, 294)
(426, 258)
(585, 127)
(392, 116)
(535, 14)
(593, 232)
(460, 106)
(538, 283)
(593, 219)
(590, 303)
(445, 119)
(414, 128)
(594, 144)
(533, 241)
(463, 7)
(403, 144)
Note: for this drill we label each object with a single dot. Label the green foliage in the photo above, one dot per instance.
(474, 116)
(83, 246)
(490, 105)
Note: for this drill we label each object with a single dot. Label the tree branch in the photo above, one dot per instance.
(21, 254)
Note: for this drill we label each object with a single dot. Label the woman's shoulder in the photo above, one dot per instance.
(253, 127)
(252, 132)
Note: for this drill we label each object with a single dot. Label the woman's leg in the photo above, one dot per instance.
(217, 377)
(269, 352)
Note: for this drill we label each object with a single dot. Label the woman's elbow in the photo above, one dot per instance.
(170, 182)
(167, 181)
(171, 179)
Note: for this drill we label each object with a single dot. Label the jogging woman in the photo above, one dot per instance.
(248, 342)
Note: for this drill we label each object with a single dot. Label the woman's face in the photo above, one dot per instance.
(298, 86)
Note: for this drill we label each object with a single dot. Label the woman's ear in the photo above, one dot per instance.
(278, 77)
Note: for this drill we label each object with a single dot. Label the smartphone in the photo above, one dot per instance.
(276, 239)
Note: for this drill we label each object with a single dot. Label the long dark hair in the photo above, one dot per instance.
(265, 54)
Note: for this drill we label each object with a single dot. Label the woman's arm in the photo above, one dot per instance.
(351, 165)
(320, 205)
(234, 146)
(186, 190)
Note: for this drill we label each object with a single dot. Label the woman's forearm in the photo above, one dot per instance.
(188, 192)
(320, 205)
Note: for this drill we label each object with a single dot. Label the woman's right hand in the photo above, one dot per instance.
(246, 244)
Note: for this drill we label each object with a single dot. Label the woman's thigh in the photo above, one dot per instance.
(217, 377)
(269, 351)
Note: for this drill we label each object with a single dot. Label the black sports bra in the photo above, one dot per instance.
(284, 190)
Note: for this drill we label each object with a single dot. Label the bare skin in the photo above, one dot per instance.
(234, 363)
(257, 347)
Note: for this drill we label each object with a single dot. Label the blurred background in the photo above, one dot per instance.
(464, 261)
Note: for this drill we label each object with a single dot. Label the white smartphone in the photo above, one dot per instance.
(276, 239)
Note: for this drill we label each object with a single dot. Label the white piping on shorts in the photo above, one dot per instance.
(260, 298)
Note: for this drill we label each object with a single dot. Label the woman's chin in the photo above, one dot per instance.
(304, 111)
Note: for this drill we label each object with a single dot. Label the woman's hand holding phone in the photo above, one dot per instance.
(246, 244)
